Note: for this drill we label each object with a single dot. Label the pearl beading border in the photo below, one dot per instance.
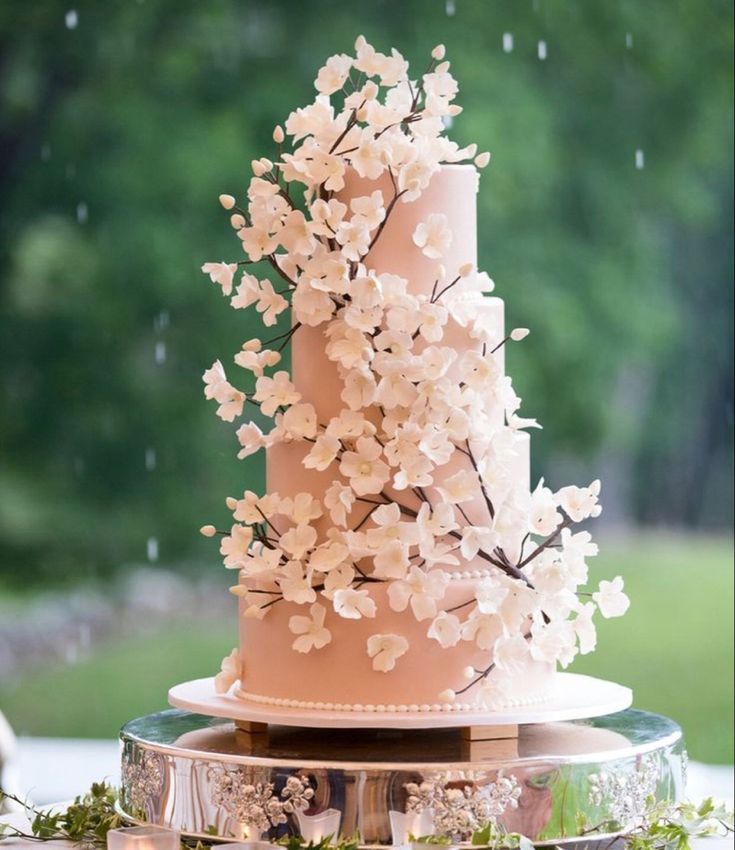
(389, 708)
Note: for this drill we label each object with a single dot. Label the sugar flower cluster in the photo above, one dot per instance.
(426, 428)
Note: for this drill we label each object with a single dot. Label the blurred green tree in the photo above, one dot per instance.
(606, 220)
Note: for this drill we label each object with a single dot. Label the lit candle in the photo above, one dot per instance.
(143, 838)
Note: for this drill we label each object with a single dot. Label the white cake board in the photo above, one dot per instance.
(575, 697)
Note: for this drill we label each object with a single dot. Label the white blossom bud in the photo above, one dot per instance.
(360, 42)
(227, 201)
(266, 163)
(239, 590)
(442, 68)
(440, 272)
(257, 167)
(231, 503)
(466, 270)
(208, 530)
(517, 334)
(278, 135)
(447, 696)
(438, 52)
(237, 221)
(471, 150)
(455, 109)
(469, 672)
(252, 345)
(482, 159)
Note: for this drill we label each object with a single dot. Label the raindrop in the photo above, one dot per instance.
(159, 353)
(629, 40)
(640, 160)
(447, 121)
(450, 8)
(542, 50)
(161, 321)
(71, 19)
(151, 549)
(45, 153)
(507, 42)
(82, 212)
(150, 459)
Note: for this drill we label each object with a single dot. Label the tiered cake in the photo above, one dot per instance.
(399, 560)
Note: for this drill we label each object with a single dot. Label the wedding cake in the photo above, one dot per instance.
(400, 560)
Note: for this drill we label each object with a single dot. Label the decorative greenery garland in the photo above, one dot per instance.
(91, 816)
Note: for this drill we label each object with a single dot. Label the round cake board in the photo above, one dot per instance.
(575, 697)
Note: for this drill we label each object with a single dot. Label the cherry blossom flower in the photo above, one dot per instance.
(329, 557)
(385, 650)
(445, 629)
(433, 236)
(392, 561)
(339, 499)
(270, 303)
(230, 672)
(235, 546)
(422, 590)
(610, 598)
(303, 508)
(585, 628)
(370, 209)
(511, 653)
(353, 604)
(299, 421)
(298, 541)
(295, 586)
(257, 361)
(366, 472)
(460, 487)
(311, 631)
(580, 503)
(221, 273)
(543, 516)
(275, 392)
(251, 439)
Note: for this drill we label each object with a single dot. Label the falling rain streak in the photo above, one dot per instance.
(542, 53)
(151, 548)
(151, 460)
(159, 353)
(507, 42)
(82, 213)
(71, 19)
(640, 160)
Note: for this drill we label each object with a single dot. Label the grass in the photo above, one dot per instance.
(674, 648)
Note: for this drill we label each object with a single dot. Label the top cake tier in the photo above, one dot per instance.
(452, 192)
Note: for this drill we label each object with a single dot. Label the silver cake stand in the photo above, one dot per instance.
(556, 782)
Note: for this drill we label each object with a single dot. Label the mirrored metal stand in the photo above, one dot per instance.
(575, 782)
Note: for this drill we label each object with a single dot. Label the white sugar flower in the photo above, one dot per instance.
(367, 160)
(302, 508)
(257, 242)
(329, 556)
(482, 629)
(433, 236)
(576, 548)
(230, 401)
(353, 604)
(298, 541)
(213, 377)
(275, 392)
(354, 237)
(262, 561)
(257, 361)
(235, 547)
(299, 421)
(370, 208)
(311, 306)
(580, 502)
(247, 293)
(490, 595)
(422, 590)
(445, 629)
(322, 453)
(221, 273)
(230, 672)
(543, 516)
(555, 641)
(311, 631)
(511, 653)
(460, 487)
(392, 561)
(385, 650)
(348, 347)
(270, 303)
(251, 439)
(585, 628)
(432, 318)
(311, 120)
(610, 598)
(366, 472)
(295, 586)
(339, 499)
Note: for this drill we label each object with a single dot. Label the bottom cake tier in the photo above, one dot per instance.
(556, 782)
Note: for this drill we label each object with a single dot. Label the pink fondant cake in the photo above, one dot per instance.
(399, 559)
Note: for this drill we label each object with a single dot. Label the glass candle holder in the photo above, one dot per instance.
(143, 838)
(315, 827)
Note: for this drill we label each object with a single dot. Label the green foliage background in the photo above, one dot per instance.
(145, 111)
